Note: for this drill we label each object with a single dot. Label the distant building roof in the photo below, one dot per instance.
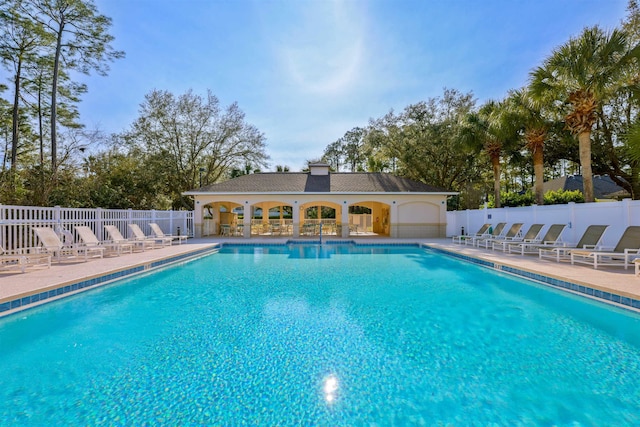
(603, 186)
(305, 182)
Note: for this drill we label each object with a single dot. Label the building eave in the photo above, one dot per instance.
(297, 193)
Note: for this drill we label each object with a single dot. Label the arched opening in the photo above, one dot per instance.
(221, 218)
(320, 215)
(271, 219)
(369, 218)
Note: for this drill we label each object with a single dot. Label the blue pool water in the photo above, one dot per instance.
(303, 335)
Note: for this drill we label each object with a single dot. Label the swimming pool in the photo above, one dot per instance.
(331, 335)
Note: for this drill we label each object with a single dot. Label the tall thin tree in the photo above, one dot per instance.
(82, 43)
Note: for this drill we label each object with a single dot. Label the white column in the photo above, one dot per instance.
(344, 217)
(296, 219)
(197, 219)
(393, 219)
(246, 221)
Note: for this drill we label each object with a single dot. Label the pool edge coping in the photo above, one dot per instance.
(575, 287)
(17, 303)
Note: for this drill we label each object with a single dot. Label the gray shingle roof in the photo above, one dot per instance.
(603, 186)
(302, 182)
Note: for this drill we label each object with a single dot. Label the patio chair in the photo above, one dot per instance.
(530, 236)
(626, 250)
(309, 229)
(116, 236)
(60, 251)
(225, 230)
(138, 235)
(157, 232)
(481, 232)
(590, 240)
(512, 233)
(89, 239)
(491, 233)
(550, 239)
(20, 259)
(637, 263)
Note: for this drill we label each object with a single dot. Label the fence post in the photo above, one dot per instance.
(572, 221)
(99, 225)
(171, 221)
(56, 218)
(129, 221)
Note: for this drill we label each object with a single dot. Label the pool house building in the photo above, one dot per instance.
(320, 202)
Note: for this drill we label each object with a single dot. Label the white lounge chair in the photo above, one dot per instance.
(530, 236)
(89, 239)
(550, 239)
(627, 249)
(590, 239)
(59, 251)
(512, 233)
(482, 231)
(21, 259)
(116, 236)
(138, 235)
(157, 232)
(491, 233)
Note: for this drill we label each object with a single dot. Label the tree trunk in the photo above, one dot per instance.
(40, 128)
(54, 92)
(584, 141)
(495, 162)
(538, 171)
(15, 119)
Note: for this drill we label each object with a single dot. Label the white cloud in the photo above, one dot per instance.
(322, 49)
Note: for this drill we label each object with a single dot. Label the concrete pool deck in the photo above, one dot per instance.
(20, 290)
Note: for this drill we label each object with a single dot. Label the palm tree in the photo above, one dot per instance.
(491, 130)
(534, 127)
(581, 75)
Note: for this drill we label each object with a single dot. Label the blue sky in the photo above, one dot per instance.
(306, 71)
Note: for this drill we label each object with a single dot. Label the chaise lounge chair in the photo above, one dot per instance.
(550, 239)
(90, 240)
(626, 250)
(481, 232)
(590, 240)
(52, 244)
(157, 232)
(138, 235)
(491, 233)
(530, 236)
(20, 259)
(117, 237)
(512, 233)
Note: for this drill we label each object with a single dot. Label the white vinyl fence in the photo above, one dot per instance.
(577, 216)
(16, 222)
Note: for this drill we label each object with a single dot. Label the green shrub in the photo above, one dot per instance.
(512, 200)
(559, 197)
(562, 197)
